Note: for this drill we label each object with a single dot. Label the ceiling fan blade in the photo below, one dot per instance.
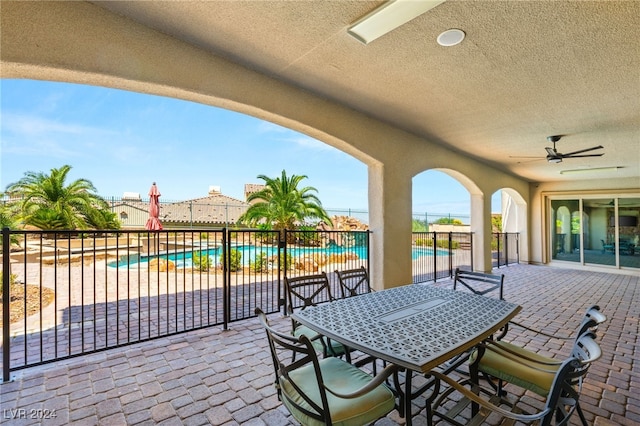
(529, 159)
(552, 152)
(581, 156)
(581, 151)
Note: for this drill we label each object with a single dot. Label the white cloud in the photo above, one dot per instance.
(28, 135)
(29, 126)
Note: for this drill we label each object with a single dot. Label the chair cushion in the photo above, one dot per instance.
(342, 377)
(523, 373)
(336, 347)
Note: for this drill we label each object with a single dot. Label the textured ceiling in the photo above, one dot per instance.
(526, 70)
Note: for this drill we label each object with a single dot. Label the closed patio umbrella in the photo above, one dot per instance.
(153, 223)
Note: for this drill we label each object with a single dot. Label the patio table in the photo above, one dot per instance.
(416, 327)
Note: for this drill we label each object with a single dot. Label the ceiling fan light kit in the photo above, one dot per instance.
(553, 156)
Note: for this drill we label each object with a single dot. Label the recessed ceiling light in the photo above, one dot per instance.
(451, 37)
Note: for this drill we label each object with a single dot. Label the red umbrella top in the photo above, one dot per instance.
(153, 223)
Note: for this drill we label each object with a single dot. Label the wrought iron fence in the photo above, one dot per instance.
(74, 293)
(436, 255)
(68, 293)
(505, 248)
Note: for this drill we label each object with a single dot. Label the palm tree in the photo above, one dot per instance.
(7, 220)
(48, 203)
(283, 205)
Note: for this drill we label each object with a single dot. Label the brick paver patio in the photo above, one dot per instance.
(221, 377)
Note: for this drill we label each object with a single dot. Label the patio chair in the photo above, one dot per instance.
(563, 384)
(303, 292)
(607, 247)
(353, 281)
(479, 283)
(529, 370)
(326, 391)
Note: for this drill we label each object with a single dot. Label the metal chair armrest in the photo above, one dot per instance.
(486, 404)
(374, 383)
(542, 333)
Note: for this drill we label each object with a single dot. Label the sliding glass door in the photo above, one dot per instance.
(566, 230)
(596, 231)
(600, 249)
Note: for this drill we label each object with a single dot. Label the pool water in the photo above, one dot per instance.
(250, 253)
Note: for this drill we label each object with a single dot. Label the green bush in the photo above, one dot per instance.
(261, 264)
(289, 261)
(12, 280)
(419, 226)
(235, 260)
(428, 242)
(424, 242)
(308, 236)
(445, 244)
(201, 261)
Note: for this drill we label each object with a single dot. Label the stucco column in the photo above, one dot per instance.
(481, 228)
(390, 223)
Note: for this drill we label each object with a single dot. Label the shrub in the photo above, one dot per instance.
(424, 242)
(261, 264)
(289, 259)
(308, 236)
(201, 261)
(235, 260)
(12, 280)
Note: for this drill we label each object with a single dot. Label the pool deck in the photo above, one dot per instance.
(218, 377)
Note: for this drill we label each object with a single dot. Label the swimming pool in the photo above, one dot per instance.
(249, 254)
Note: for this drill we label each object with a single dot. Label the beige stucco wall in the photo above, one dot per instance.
(82, 43)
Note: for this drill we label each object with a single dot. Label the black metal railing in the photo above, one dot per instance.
(505, 248)
(437, 254)
(91, 291)
(71, 293)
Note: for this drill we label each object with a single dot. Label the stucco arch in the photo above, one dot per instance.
(514, 214)
(515, 218)
(80, 42)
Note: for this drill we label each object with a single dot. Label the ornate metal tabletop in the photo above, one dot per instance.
(415, 326)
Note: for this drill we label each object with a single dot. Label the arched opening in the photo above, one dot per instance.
(122, 141)
(509, 225)
(439, 199)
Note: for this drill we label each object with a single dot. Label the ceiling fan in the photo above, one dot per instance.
(553, 156)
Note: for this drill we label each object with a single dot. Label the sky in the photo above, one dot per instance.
(124, 141)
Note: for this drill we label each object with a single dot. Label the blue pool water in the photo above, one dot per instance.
(250, 253)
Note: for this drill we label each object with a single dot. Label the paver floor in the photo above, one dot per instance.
(224, 377)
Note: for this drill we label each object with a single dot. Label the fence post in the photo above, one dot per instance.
(282, 248)
(435, 256)
(6, 282)
(369, 254)
(450, 254)
(471, 237)
(226, 278)
(506, 249)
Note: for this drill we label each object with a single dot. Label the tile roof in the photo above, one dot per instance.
(216, 208)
